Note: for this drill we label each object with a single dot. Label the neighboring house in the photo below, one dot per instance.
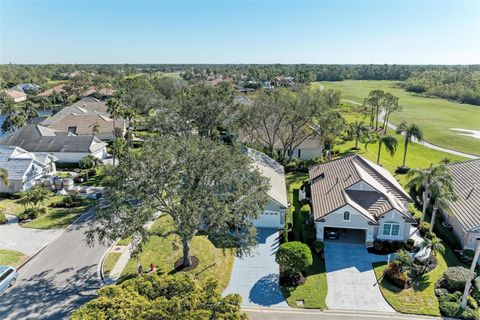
(465, 212)
(273, 216)
(24, 87)
(103, 93)
(84, 117)
(47, 93)
(66, 147)
(23, 168)
(16, 95)
(354, 193)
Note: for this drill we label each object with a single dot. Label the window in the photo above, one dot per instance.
(299, 153)
(391, 229)
(6, 274)
(346, 216)
(72, 129)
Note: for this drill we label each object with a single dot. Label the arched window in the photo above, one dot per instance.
(346, 216)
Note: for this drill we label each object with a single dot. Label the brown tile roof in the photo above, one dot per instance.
(330, 183)
(466, 184)
(106, 92)
(15, 94)
(47, 93)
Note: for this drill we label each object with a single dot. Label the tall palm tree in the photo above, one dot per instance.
(410, 131)
(391, 106)
(442, 196)
(435, 245)
(424, 178)
(129, 114)
(390, 143)
(374, 100)
(30, 110)
(4, 176)
(359, 130)
(114, 108)
(7, 106)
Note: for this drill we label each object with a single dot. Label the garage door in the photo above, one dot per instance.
(268, 219)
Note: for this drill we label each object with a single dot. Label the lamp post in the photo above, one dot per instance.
(468, 285)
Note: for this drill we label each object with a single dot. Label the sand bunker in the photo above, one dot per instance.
(467, 132)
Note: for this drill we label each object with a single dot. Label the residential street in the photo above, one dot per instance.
(58, 280)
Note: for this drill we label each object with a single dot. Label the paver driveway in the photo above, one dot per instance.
(351, 280)
(255, 277)
(25, 240)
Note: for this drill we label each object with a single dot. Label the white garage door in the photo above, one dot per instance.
(268, 219)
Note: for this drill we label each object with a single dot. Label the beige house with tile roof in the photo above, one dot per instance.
(465, 212)
(16, 95)
(352, 193)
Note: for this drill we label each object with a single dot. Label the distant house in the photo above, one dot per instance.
(282, 81)
(47, 93)
(23, 168)
(85, 117)
(465, 212)
(65, 147)
(16, 95)
(359, 200)
(24, 87)
(273, 216)
(102, 93)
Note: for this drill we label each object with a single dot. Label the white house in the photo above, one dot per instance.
(16, 95)
(66, 147)
(352, 195)
(23, 168)
(273, 215)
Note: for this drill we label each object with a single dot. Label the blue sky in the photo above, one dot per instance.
(407, 32)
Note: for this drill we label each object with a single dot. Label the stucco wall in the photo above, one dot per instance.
(394, 216)
(307, 154)
(278, 220)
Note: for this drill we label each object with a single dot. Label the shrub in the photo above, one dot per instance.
(441, 293)
(416, 214)
(318, 245)
(33, 213)
(290, 278)
(476, 289)
(455, 278)
(396, 276)
(423, 227)
(3, 218)
(472, 303)
(450, 309)
(295, 256)
(70, 201)
(469, 314)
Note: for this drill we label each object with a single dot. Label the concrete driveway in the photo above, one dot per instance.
(352, 284)
(26, 240)
(255, 277)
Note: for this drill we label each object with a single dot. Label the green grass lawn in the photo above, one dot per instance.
(418, 156)
(110, 262)
(55, 217)
(434, 115)
(11, 258)
(313, 292)
(163, 252)
(98, 180)
(420, 299)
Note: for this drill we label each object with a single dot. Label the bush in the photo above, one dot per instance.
(416, 214)
(423, 227)
(70, 201)
(318, 245)
(469, 314)
(472, 303)
(32, 213)
(450, 309)
(3, 218)
(441, 293)
(455, 278)
(295, 256)
(290, 278)
(396, 276)
(466, 256)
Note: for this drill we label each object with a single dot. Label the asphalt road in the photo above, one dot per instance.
(58, 280)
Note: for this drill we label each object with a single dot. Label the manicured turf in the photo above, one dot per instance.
(163, 252)
(420, 299)
(435, 116)
(55, 218)
(11, 258)
(418, 156)
(110, 262)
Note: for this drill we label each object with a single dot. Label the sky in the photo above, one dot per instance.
(321, 32)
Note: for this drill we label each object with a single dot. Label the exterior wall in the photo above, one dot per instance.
(393, 216)
(20, 99)
(467, 240)
(15, 186)
(101, 154)
(335, 220)
(69, 157)
(269, 220)
(307, 154)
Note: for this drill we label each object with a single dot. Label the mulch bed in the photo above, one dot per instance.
(178, 264)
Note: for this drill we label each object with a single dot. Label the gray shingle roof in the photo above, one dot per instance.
(466, 184)
(36, 138)
(331, 182)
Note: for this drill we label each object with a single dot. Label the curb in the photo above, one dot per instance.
(52, 240)
(100, 272)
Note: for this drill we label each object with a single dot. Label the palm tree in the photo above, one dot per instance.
(129, 114)
(8, 106)
(390, 142)
(409, 131)
(442, 195)
(4, 176)
(114, 108)
(30, 110)
(359, 130)
(424, 178)
(89, 162)
(374, 100)
(391, 106)
(435, 245)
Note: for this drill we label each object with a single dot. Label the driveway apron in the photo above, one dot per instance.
(255, 277)
(352, 284)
